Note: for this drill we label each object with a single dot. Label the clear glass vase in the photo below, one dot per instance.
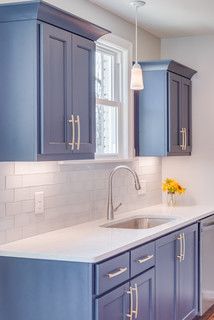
(171, 199)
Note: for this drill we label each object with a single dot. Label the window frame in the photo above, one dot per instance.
(125, 104)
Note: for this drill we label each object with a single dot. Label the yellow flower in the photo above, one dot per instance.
(172, 186)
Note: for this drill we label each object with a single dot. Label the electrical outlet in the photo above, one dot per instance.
(39, 202)
(142, 191)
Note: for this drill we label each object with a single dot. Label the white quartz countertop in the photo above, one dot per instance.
(90, 243)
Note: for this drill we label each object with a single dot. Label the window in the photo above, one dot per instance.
(109, 101)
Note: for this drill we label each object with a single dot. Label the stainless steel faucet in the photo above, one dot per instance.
(110, 208)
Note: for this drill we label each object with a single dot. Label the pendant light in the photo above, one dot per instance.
(136, 72)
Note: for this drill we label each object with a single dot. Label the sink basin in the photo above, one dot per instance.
(139, 222)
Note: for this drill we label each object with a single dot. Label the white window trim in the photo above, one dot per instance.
(126, 151)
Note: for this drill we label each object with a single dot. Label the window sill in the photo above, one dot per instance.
(97, 161)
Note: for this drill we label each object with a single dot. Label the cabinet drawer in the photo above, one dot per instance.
(142, 258)
(111, 273)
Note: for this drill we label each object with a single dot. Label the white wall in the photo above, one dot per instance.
(196, 172)
(74, 193)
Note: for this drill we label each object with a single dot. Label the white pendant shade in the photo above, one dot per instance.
(137, 77)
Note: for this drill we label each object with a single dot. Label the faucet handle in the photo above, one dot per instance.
(119, 205)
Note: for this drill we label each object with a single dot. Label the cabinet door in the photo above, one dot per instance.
(188, 275)
(174, 104)
(114, 305)
(166, 275)
(143, 295)
(186, 112)
(56, 107)
(84, 94)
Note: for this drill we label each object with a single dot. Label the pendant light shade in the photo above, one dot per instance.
(137, 72)
(137, 77)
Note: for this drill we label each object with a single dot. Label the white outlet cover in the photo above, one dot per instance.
(39, 202)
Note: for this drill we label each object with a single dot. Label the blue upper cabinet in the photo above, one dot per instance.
(46, 83)
(56, 94)
(84, 104)
(163, 110)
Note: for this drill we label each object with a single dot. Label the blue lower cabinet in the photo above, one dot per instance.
(133, 300)
(166, 271)
(144, 296)
(187, 298)
(114, 289)
(177, 275)
(114, 305)
(45, 290)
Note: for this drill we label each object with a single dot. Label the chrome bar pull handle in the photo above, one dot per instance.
(145, 259)
(72, 143)
(117, 272)
(77, 121)
(130, 315)
(180, 239)
(137, 301)
(183, 138)
(184, 247)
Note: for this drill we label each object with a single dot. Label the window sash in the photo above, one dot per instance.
(116, 95)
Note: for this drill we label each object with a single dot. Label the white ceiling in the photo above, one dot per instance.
(168, 18)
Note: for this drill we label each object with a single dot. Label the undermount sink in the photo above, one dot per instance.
(139, 222)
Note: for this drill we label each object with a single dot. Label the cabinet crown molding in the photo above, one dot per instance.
(42, 11)
(168, 65)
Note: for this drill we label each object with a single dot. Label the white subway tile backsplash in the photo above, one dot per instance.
(6, 195)
(2, 182)
(22, 219)
(74, 193)
(2, 237)
(23, 194)
(7, 168)
(6, 223)
(13, 208)
(2, 210)
(13, 182)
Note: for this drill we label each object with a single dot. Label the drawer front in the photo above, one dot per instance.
(142, 258)
(111, 273)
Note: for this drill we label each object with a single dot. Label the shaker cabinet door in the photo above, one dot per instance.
(56, 104)
(114, 305)
(187, 298)
(144, 296)
(174, 105)
(166, 275)
(84, 94)
(186, 113)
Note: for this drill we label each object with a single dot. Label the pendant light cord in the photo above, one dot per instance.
(136, 35)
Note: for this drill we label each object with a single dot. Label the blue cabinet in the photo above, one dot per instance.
(165, 287)
(56, 94)
(46, 83)
(67, 94)
(177, 275)
(144, 289)
(114, 305)
(163, 110)
(166, 270)
(134, 300)
(187, 299)
(83, 79)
